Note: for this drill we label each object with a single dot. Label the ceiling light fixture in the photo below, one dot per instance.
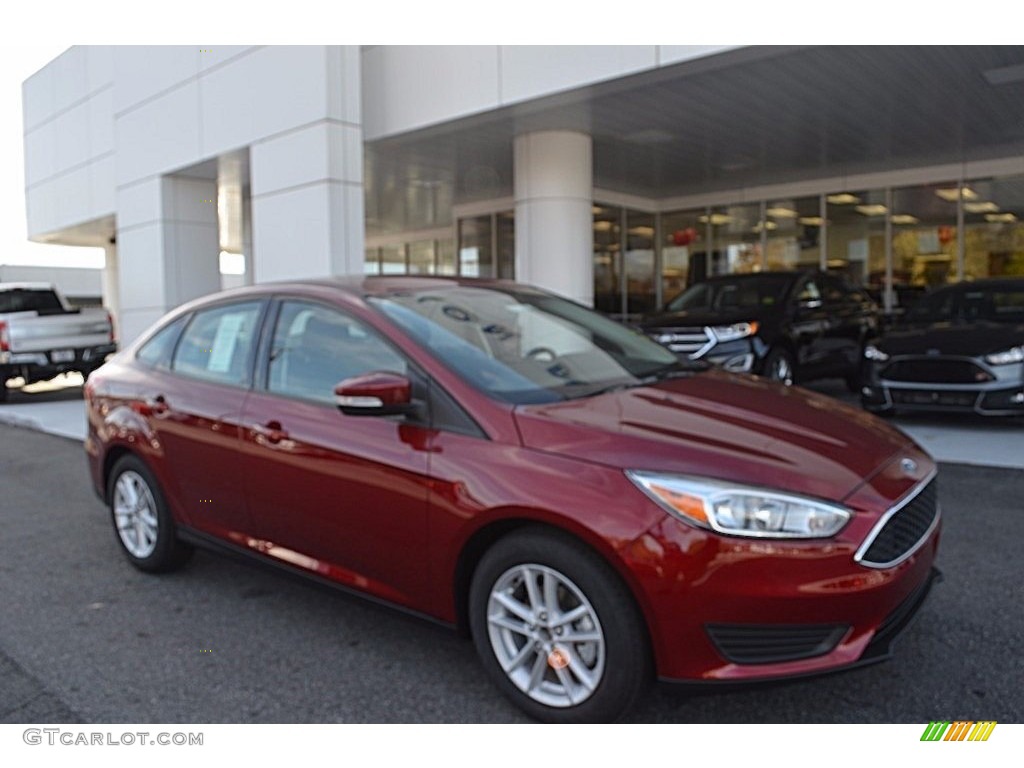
(641, 231)
(716, 219)
(872, 210)
(768, 225)
(985, 206)
(812, 221)
(903, 218)
(844, 198)
(1000, 217)
(782, 213)
(950, 194)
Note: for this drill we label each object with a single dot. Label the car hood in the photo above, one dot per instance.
(720, 425)
(952, 339)
(699, 319)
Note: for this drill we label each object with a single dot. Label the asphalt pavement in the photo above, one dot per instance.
(86, 638)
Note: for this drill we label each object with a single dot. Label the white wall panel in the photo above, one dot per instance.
(100, 108)
(529, 71)
(139, 203)
(73, 191)
(71, 137)
(407, 87)
(142, 71)
(139, 253)
(290, 234)
(189, 200)
(40, 154)
(103, 182)
(70, 78)
(215, 55)
(99, 66)
(344, 70)
(37, 98)
(40, 209)
(160, 136)
(268, 91)
(316, 153)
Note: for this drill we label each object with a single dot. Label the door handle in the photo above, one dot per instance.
(272, 431)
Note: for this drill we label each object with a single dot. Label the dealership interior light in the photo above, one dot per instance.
(844, 198)
(872, 210)
(985, 206)
(641, 231)
(602, 226)
(1000, 217)
(782, 213)
(950, 194)
(904, 218)
(768, 225)
(812, 221)
(716, 219)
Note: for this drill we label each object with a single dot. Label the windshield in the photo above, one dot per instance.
(527, 346)
(739, 292)
(970, 305)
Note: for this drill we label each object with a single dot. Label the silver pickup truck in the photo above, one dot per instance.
(41, 335)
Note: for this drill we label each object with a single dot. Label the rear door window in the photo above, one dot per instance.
(217, 344)
(158, 350)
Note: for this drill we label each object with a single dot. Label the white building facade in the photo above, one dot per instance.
(612, 175)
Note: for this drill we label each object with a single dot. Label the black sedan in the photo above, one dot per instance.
(787, 326)
(960, 348)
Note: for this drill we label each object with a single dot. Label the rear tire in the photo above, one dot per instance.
(531, 594)
(779, 366)
(143, 525)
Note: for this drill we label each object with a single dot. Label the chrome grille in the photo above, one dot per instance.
(683, 340)
(902, 530)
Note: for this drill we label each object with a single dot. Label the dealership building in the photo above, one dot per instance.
(611, 174)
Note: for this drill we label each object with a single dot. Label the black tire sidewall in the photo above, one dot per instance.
(169, 553)
(627, 649)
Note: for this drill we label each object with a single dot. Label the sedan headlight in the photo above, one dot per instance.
(733, 332)
(1007, 356)
(871, 352)
(741, 510)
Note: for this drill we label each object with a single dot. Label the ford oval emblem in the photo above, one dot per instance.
(909, 466)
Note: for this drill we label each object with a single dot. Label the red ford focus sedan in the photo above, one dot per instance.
(592, 510)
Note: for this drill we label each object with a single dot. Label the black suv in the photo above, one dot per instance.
(788, 326)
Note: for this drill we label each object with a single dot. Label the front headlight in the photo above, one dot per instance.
(1007, 356)
(741, 510)
(871, 352)
(733, 332)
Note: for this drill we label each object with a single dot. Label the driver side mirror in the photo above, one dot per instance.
(375, 394)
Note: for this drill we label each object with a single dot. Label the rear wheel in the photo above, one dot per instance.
(142, 522)
(557, 630)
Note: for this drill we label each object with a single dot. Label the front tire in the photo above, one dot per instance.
(779, 366)
(557, 630)
(142, 521)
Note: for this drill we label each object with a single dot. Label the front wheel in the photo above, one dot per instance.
(557, 630)
(142, 521)
(779, 366)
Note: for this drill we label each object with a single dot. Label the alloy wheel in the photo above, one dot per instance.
(135, 515)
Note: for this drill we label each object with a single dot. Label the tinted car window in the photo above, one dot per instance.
(315, 347)
(933, 308)
(809, 292)
(740, 292)
(217, 343)
(29, 300)
(158, 350)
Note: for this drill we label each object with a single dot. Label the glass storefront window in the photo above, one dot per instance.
(683, 251)
(371, 261)
(607, 257)
(476, 253)
(505, 224)
(421, 257)
(856, 237)
(924, 237)
(793, 233)
(446, 257)
(392, 260)
(736, 239)
(639, 262)
(994, 228)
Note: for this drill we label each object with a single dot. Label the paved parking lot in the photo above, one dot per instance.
(84, 637)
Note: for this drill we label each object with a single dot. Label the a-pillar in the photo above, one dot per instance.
(167, 247)
(554, 221)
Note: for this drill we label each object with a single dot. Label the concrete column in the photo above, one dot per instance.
(111, 288)
(307, 187)
(554, 223)
(168, 247)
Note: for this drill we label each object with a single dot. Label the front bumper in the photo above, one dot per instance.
(732, 609)
(1001, 395)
